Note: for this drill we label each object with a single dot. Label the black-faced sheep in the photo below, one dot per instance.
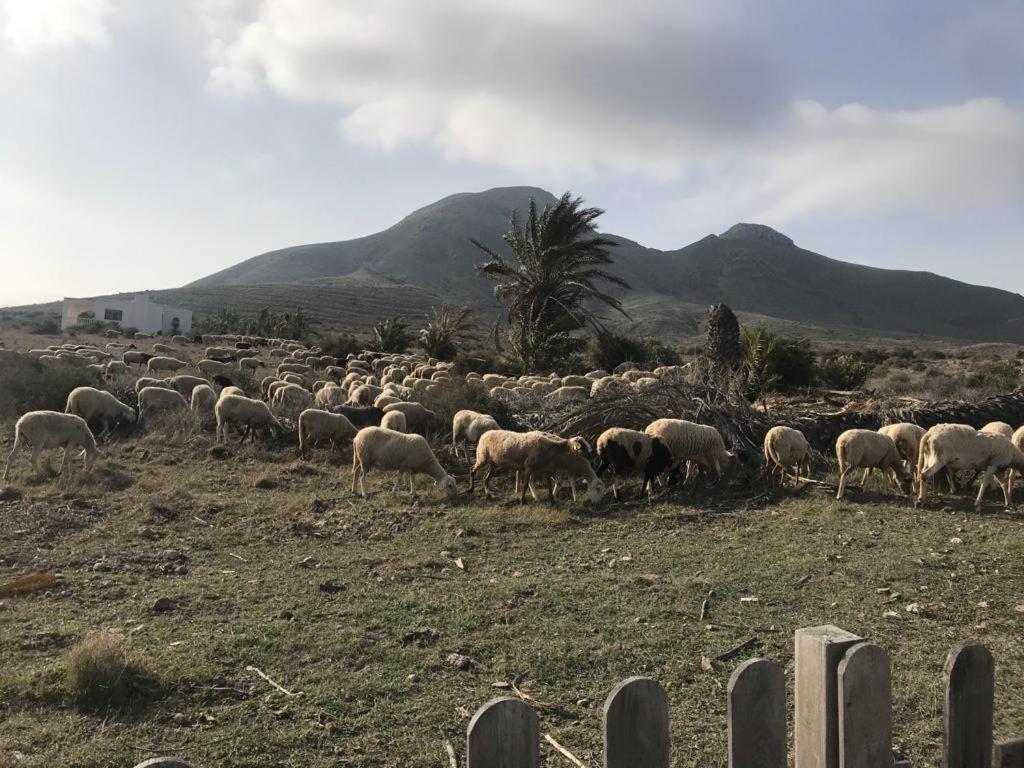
(629, 452)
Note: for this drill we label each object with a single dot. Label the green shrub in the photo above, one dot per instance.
(845, 372)
(48, 326)
(456, 395)
(390, 335)
(993, 378)
(100, 672)
(776, 363)
(610, 349)
(27, 384)
(341, 345)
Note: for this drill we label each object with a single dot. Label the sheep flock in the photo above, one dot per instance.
(372, 405)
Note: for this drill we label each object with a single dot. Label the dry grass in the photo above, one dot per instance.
(100, 673)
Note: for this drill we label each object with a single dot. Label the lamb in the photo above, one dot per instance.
(395, 420)
(958, 446)
(50, 429)
(467, 428)
(238, 410)
(249, 363)
(867, 449)
(416, 415)
(786, 447)
(164, 364)
(385, 398)
(364, 394)
(163, 349)
(998, 428)
(385, 449)
(573, 465)
(907, 437)
(316, 425)
(152, 399)
(528, 453)
(231, 391)
(330, 396)
(692, 444)
(628, 451)
(361, 416)
(90, 403)
(204, 398)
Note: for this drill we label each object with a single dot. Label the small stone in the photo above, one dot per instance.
(331, 587)
(461, 661)
(180, 719)
(411, 678)
(956, 540)
(163, 605)
(101, 567)
(171, 554)
(9, 493)
(180, 570)
(583, 702)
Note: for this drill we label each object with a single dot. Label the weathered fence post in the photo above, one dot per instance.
(1009, 754)
(970, 689)
(818, 651)
(636, 725)
(865, 708)
(757, 715)
(504, 733)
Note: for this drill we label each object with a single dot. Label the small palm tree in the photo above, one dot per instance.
(390, 335)
(447, 328)
(552, 282)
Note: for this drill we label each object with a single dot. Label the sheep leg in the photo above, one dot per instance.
(355, 471)
(487, 479)
(527, 480)
(844, 473)
(34, 458)
(572, 485)
(894, 476)
(10, 457)
(927, 475)
(551, 490)
(615, 490)
(1008, 490)
(989, 471)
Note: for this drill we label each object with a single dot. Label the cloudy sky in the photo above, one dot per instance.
(146, 143)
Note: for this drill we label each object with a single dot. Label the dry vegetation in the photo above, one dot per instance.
(188, 566)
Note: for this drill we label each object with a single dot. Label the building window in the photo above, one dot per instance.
(116, 315)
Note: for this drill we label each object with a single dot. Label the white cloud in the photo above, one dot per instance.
(28, 26)
(578, 87)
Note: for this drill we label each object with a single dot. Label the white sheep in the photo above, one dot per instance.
(213, 368)
(1018, 441)
(692, 444)
(145, 381)
(958, 446)
(152, 399)
(91, 403)
(292, 399)
(786, 447)
(184, 384)
(330, 396)
(467, 428)
(610, 386)
(50, 429)
(385, 449)
(526, 453)
(395, 420)
(867, 449)
(249, 363)
(116, 368)
(998, 428)
(163, 349)
(241, 411)
(164, 364)
(204, 398)
(565, 395)
(316, 425)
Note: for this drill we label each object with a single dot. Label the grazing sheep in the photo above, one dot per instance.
(395, 420)
(184, 384)
(204, 398)
(786, 447)
(528, 453)
(385, 449)
(361, 416)
(249, 363)
(364, 394)
(294, 378)
(153, 399)
(265, 383)
(1017, 440)
(316, 425)
(630, 452)
(179, 339)
(116, 368)
(90, 403)
(692, 444)
(292, 399)
(467, 428)
(610, 386)
(573, 465)
(163, 349)
(164, 364)
(867, 449)
(416, 415)
(998, 428)
(385, 398)
(330, 396)
(239, 411)
(134, 357)
(567, 394)
(299, 368)
(210, 367)
(144, 381)
(50, 429)
(958, 446)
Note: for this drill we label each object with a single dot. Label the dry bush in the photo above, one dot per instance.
(99, 670)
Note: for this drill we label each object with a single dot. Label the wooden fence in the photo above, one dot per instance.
(842, 715)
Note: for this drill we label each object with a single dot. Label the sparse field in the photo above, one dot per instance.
(272, 562)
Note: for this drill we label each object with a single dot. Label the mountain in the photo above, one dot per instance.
(750, 267)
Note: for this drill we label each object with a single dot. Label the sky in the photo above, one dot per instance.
(147, 143)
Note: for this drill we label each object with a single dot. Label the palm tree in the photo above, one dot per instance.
(390, 335)
(551, 283)
(447, 328)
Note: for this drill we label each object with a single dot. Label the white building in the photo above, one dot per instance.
(136, 312)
